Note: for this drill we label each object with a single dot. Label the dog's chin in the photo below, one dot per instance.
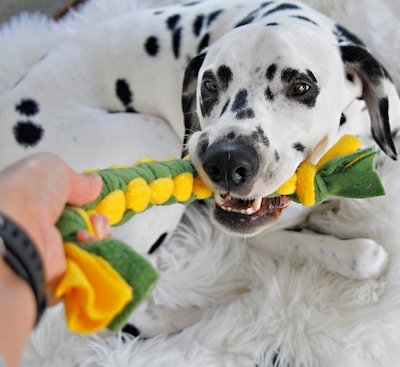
(247, 217)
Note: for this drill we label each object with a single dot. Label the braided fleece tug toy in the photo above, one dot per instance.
(105, 280)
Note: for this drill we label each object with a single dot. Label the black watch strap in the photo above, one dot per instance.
(21, 255)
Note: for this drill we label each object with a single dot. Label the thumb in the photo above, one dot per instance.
(84, 188)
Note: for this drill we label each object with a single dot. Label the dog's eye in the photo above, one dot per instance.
(297, 89)
(210, 85)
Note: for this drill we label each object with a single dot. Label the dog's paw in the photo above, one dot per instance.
(364, 259)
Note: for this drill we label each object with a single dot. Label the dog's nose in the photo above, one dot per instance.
(230, 164)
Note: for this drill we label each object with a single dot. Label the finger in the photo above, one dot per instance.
(84, 188)
(84, 236)
(101, 226)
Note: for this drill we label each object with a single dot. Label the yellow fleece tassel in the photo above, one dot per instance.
(93, 291)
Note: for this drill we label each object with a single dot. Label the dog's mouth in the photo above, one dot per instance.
(247, 216)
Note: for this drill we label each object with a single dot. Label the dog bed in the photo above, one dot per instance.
(295, 313)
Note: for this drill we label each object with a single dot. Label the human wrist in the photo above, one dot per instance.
(14, 289)
(22, 258)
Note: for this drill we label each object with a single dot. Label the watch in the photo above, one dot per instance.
(22, 256)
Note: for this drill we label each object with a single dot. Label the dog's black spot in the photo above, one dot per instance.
(225, 106)
(176, 41)
(172, 21)
(204, 42)
(124, 94)
(250, 17)
(311, 75)
(301, 17)
(344, 35)
(27, 133)
(27, 107)
(172, 24)
(158, 12)
(263, 138)
(299, 147)
(265, 4)
(350, 77)
(270, 73)
(343, 119)
(240, 101)
(260, 136)
(309, 99)
(277, 156)
(268, 94)
(213, 16)
(192, 3)
(152, 46)
(247, 20)
(288, 75)
(371, 68)
(225, 75)
(131, 329)
(281, 7)
(272, 24)
(158, 243)
(231, 136)
(198, 25)
(243, 114)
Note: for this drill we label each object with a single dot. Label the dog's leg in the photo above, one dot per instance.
(359, 258)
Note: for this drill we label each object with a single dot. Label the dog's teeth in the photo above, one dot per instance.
(218, 199)
(243, 211)
(226, 208)
(250, 211)
(256, 204)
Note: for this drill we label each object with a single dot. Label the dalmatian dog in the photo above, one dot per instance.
(251, 87)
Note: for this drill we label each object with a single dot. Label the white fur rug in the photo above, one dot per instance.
(296, 314)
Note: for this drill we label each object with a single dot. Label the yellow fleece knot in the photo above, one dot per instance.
(112, 206)
(183, 184)
(305, 189)
(161, 190)
(137, 195)
(289, 187)
(200, 190)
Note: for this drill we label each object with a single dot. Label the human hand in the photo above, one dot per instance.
(33, 192)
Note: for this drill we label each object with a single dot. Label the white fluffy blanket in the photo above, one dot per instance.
(296, 314)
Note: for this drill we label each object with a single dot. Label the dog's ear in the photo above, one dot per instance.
(359, 61)
(189, 87)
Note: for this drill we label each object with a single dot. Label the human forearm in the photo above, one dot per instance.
(17, 314)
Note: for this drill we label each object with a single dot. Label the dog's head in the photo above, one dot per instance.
(265, 99)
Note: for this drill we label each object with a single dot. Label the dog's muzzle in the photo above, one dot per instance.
(233, 167)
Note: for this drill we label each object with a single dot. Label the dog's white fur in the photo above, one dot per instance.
(313, 317)
(73, 84)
